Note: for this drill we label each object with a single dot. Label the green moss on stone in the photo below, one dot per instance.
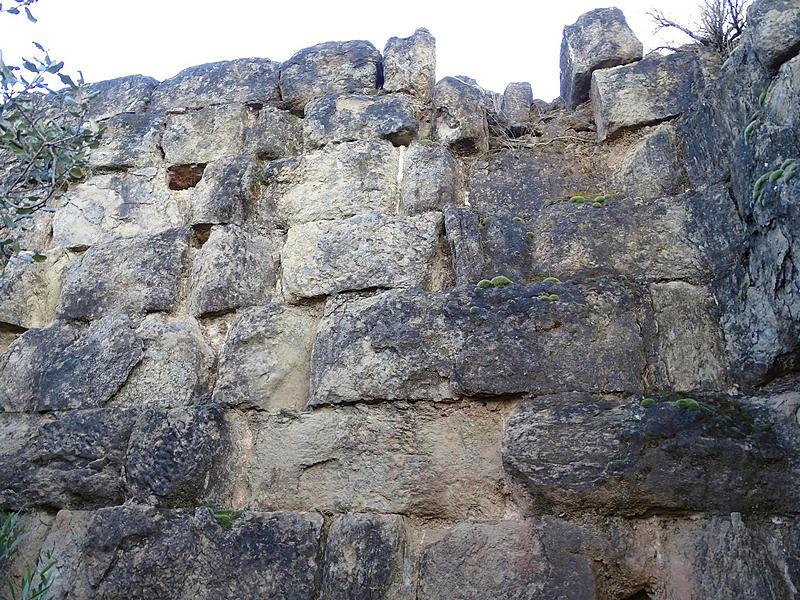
(500, 281)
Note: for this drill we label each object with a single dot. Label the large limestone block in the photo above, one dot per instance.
(485, 560)
(429, 178)
(130, 94)
(652, 169)
(517, 102)
(205, 135)
(651, 90)
(347, 117)
(780, 101)
(275, 134)
(247, 80)
(61, 367)
(774, 30)
(117, 205)
(460, 117)
(368, 251)
(173, 456)
(599, 39)
(135, 276)
(413, 345)
(336, 182)
(422, 460)
(256, 555)
(329, 68)
(129, 140)
(29, 291)
(578, 452)
(690, 342)
(177, 366)
(225, 194)
(233, 269)
(266, 360)
(366, 556)
(409, 65)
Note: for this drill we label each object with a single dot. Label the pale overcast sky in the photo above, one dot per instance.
(494, 42)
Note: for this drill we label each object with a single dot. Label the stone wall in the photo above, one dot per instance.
(329, 329)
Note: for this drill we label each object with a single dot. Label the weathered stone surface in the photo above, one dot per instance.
(774, 30)
(205, 135)
(117, 205)
(690, 342)
(61, 367)
(330, 68)
(430, 461)
(130, 94)
(266, 360)
(597, 40)
(366, 557)
(462, 227)
(474, 342)
(225, 194)
(349, 117)
(368, 251)
(134, 276)
(176, 369)
(651, 90)
(172, 456)
(484, 560)
(460, 117)
(780, 101)
(409, 65)
(248, 80)
(65, 540)
(29, 290)
(233, 269)
(274, 134)
(429, 178)
(517, 102)
(269, 555)
(336, 182)
(129, 140)
(652, 168)
(577, 452)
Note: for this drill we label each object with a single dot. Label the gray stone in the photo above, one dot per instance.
(462, 227)
(368, 251)
(517, 102)
(366, 557)
(274, 134)
(269, 555)
(117, 205)
(413, 345)
(173, 457)
(135, 276)
(65, 540)
(29, 290)
(774, 30)
(460, 116)
(652, 168)
(430, 461)
(60, 367)
(429, 178)
(248, 80)
(266, 360)
(226, 192)
(409, 65)
(131, 94)
(336, 182)
(690, 342)
(129, 140)
(646, 92)
(484, 560)
(233, 269)
(599, 39)
(205, 135)
(177, 366)
(780, 103)
(348, 117)
(329, 68)
(576, 452)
